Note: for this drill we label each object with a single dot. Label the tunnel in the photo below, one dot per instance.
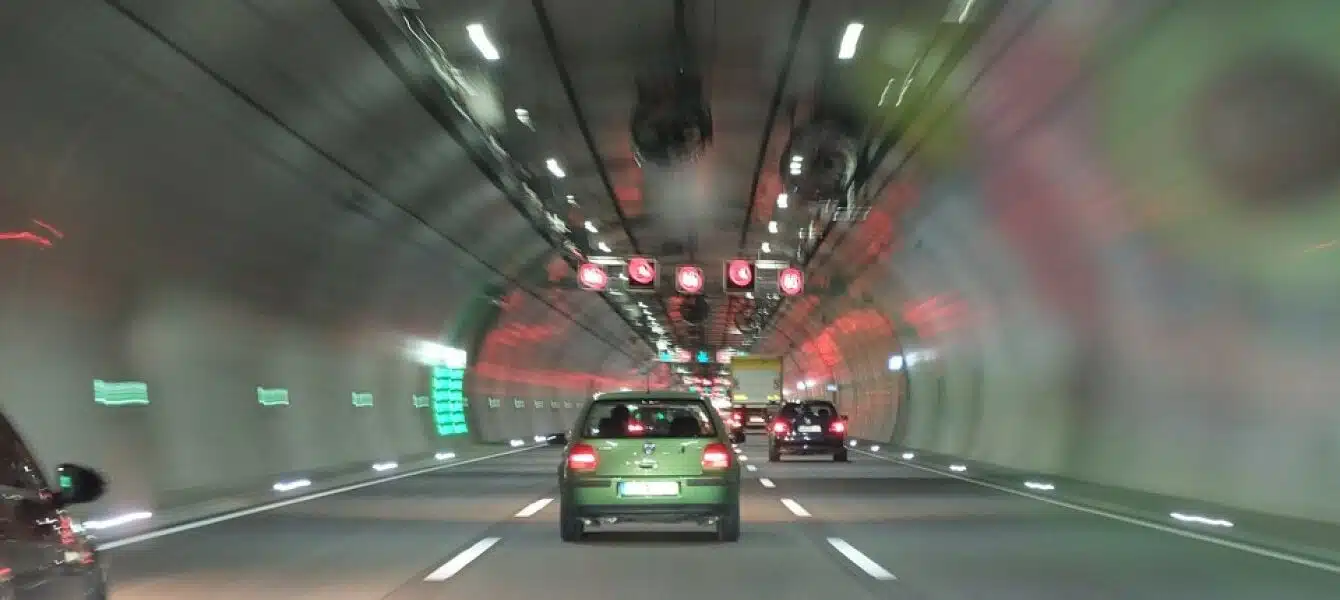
(305, 282)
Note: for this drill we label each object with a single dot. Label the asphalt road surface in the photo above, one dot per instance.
(812, 529)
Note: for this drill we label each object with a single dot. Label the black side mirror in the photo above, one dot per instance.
(558, 439)
(78, 484)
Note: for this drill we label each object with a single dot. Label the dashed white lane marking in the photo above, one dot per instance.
(795, 507)
(767, 483)
(751, 468)
(533, 507)
(858, 558)
(458, 562)
(1266, 552)
(135, 539)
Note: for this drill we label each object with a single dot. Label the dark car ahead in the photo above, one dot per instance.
(734, 420)
(808, 428)
(755, 417)
(42, 556)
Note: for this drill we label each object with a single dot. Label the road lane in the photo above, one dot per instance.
(776, 558)
(362, 544)
(875, 530)
(946, 538)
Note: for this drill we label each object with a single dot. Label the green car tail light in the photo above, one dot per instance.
(583, 458)
(716, 456)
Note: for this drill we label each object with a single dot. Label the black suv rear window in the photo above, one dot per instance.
(650, 418)
(817, 408)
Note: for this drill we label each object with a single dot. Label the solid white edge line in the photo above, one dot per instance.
(795, 508)
(1257, 550)
(533, 507)
(458, 562)
(858, 558)
(135, 539)
(767, 483)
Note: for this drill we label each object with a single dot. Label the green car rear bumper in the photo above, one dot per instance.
(593, 497)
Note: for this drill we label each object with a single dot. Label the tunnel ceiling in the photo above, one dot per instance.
(521, 166)
(562, 89)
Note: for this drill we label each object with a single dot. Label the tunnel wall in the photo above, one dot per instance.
(160, 229)
(1086, 294)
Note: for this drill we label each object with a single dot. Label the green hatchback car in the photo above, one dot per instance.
(648, 457)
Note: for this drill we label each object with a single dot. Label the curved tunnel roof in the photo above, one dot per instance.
(1064, 252)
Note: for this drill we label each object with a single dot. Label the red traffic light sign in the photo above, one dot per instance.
(642, 274)
(592, 277)
(791, 281)
(739, 276)
(689, 279)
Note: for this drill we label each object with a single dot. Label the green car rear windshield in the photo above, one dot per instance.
(651, 418)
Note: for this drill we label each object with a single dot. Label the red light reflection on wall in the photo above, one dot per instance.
(25, 236)
(35, 238)
(512, 334)
(823, 351)
(936, 315)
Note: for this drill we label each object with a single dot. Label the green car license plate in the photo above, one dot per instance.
(648, 488)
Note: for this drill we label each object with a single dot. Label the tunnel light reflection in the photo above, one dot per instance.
(517, 443)
(909, 456)
(958, 468)
(850, 37)
(782, 200)
(385, 466)
(540, 439)
(1039, 485)
(874, 448)
(852, 443)
(118, 520)
(480, 39)
(1200, 520)
(444, 455)
(435, 354)
(556, 169)
(288, 486)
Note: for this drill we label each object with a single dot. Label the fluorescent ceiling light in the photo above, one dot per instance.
(781, 200)
(554, 168)
(481, 40)
(850, 37)
(591, 227)
(772, 226)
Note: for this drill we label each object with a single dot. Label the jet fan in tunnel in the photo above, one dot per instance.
(672, 123)
(819, 163)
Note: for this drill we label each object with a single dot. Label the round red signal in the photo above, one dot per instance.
(791, 281)
(690, 280)
(592, 277)
(641, 270)
(741, 273)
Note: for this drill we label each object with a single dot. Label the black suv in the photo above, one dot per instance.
(42, 556)
(807, 428)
